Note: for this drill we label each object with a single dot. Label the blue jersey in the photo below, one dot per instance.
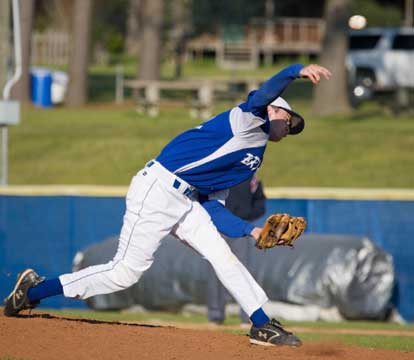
(227, 149)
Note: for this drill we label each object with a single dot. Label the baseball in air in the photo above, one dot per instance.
(357, 22)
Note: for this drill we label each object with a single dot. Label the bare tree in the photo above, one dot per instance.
(181, 27)
(60, 12)
(79, 57)
(408, 13)
(4, 41)
(133, 27)
(330, 97)
(57, 13)
(150, 47)
(22, 89)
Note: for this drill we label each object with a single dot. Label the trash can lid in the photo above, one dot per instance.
(40, 72)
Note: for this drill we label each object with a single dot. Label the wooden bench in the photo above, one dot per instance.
(148, 93)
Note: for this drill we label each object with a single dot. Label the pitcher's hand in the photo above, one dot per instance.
(313, 72)
(255, 233)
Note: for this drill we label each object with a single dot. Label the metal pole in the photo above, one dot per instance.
(4, 41)
(7, 88)
(4, 152)
(17, 51)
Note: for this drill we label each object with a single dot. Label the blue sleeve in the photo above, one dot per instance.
(258, 100)
(226, 222)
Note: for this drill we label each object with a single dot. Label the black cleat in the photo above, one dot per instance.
(18, 300)
(272, 333)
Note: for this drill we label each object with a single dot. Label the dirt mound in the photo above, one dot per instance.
(43, 336)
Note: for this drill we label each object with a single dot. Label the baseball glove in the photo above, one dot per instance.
(280, 230)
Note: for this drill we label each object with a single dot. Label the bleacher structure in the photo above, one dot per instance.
(260, 41)
(234, 47)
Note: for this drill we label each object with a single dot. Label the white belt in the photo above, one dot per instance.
(169, 178)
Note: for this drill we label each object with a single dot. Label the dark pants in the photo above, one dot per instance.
(217, 295)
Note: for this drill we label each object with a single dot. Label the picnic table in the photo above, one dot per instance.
(149, 93)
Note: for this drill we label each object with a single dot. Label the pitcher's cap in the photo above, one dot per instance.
(297, 121)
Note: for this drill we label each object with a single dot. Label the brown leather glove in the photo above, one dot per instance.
(280, 230)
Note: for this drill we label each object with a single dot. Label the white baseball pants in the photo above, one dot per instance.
(155, 208)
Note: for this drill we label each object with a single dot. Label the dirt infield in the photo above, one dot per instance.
(43, 336)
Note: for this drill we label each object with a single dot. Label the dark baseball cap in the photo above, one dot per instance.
(297, 122)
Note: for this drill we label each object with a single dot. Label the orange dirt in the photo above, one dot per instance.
(43, 336)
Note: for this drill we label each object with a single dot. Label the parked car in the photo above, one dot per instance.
(380, 60)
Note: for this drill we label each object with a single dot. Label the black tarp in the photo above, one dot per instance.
(346, 272)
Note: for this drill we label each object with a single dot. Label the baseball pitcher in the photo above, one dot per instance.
(182, 191)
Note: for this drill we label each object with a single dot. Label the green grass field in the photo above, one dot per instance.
(402, 343)
(311, 331)
(106, 144)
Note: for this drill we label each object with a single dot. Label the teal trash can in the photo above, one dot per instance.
(41, 87)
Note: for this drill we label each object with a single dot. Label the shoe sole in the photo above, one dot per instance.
(19, 281)
(264, 343)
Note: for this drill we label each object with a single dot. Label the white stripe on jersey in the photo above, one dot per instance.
(245, 136)
(243, 121)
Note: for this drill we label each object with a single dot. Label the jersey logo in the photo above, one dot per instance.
(252, 161)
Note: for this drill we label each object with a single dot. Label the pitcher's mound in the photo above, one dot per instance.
(42, 336)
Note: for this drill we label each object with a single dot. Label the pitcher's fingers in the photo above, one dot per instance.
(311, 77)
(325, 72)
(318, 78)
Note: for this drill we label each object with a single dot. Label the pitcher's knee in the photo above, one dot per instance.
(223, 260)
(124, 276)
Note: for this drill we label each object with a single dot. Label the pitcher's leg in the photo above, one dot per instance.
(151, 213)
(197, 229)
(216, 297)
(241, 248)
(136, 245)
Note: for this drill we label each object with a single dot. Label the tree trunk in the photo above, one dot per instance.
(181, 24)
(150, 47)
(79, 58)
(22, 89)
(330, 97)
(408, 13)
(133, 35)
(60, 13)
(4, 42)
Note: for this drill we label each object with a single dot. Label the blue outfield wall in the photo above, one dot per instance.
(45, 232)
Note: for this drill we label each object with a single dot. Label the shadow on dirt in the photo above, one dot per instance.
(89, 321)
